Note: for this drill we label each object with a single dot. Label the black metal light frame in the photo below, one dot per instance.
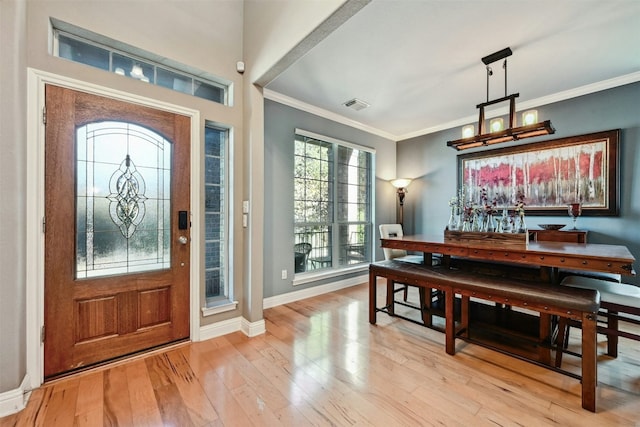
(511, 133)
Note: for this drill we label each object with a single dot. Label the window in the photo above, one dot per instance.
(216, 241)
(332, 203)
(78, 45)
(123, 205)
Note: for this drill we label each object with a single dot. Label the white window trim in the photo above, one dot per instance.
(317, 275)
(325, 138)
(313, 276)
(218, 307)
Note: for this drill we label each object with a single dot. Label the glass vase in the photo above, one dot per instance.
(521, 225)
(452, 224)
(475, 224)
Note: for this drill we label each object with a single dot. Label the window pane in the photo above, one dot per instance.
(208, 91)
(355, 243)
(123, 210)
(353, 185)
(215, 246)
(320, 255)
(83, 53)
(312, 171)
(174, 81)
(132, 68)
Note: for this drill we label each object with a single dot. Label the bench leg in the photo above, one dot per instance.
(589, 359)
(372, 298)
(391, 290)
(612, 339)
(464, 314)
(544, 353)
(450, 322)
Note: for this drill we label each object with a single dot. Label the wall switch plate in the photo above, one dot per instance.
(284, 274)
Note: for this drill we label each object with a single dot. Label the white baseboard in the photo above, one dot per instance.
(15, 400)
(252, 329)
(314, 291)
(218, 329)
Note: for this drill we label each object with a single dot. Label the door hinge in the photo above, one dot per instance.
(42, 334)
(44, 225)
(44, 115)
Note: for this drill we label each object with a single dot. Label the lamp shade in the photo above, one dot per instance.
(529, 117)
(468, 131)
(496, 125)
(401, 182)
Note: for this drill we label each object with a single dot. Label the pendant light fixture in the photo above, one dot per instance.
(497, 132)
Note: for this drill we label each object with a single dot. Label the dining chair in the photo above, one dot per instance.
(395, 230)
(301, 254)
(619, 302)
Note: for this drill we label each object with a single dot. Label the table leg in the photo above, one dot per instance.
(427, 258)
(425, 305)
(372, 298)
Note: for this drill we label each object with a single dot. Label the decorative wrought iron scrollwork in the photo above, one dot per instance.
(127, 197)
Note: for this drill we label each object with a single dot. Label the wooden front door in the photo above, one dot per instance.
(116, 229)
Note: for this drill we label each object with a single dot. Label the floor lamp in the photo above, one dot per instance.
(401, 185)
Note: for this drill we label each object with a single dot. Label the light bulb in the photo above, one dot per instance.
(529, 117)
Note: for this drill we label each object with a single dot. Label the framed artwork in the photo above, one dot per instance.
(549, 174)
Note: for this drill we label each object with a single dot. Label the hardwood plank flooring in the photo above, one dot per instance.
(322, 364)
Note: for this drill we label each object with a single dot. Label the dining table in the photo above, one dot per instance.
(551, 257)
(547, 259)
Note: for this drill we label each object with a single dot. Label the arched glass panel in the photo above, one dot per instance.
(123, 199)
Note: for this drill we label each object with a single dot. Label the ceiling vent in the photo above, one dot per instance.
(356, 104)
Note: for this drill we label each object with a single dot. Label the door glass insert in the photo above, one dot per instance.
(123, 199)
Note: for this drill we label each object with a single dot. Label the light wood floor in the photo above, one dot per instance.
(321, 363)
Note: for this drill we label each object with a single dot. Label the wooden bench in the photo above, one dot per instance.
(548, 300)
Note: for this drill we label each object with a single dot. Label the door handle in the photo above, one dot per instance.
(183, 240)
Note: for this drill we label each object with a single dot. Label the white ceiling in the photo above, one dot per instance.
(418, 62)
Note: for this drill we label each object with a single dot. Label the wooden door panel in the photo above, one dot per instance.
(90, 319)
(96, 318)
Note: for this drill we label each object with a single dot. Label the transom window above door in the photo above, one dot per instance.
(85, 47)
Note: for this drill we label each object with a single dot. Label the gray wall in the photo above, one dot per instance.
(428, 157)
(280, 124)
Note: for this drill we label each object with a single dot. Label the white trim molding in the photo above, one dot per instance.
(15, 400)
(313, 291)
(218, 329)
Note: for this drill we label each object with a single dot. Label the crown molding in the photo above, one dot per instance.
(545, 100)
(533, 103)
(303, 106)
